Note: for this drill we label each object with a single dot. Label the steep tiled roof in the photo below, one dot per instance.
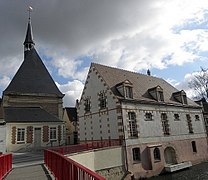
(32, 77)
(141, 83)
(28, 114)
(72, 113)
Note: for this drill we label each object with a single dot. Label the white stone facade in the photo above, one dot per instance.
(175, 132)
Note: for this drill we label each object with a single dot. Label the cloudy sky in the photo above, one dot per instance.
(169, 37)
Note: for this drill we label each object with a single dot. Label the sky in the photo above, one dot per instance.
(169, 37)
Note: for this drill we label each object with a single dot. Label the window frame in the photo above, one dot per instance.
(197, 118)
(103, 100)
(165, 124)
(133, 132)
(157, 155)
(176, 117)
(148, 116)
(128, 90)
(53, 133)
(136, 154)
(21, 135)
(189, 123)
(87, 105)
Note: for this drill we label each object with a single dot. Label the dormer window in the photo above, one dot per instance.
(125, 89)
(156, 93)
(180, 96)
(128, 92)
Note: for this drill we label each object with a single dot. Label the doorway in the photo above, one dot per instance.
(37, 138)
(170, 155)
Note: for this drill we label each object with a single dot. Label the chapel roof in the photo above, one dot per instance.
(32, 76)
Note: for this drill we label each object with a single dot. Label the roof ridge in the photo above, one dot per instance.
(128, 71)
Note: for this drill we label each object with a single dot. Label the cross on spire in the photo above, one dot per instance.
(29, 43)
(29, 11)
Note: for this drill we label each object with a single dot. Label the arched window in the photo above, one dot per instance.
(156, 153)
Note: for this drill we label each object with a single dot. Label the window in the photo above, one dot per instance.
(193, 143)
(197, 118)
(184, 99)
(160, 96)
(165, 124)
(176, 117)
(103, 100)
(156, 153)
(132, 125)
(180, 96)
(148, 116)
(128, 92)
(156, 93)
(20, 134)
(190, 128)
(87, 105)
(136, 154)
(52, 133)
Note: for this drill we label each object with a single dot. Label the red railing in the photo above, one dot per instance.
(87, 146)
(5, 165)
(64, 168)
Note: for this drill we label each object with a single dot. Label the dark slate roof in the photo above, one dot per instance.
(28, 115)
(141, 83)
(32, 77)
(72, 113)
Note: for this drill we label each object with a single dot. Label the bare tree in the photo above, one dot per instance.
(200, 83)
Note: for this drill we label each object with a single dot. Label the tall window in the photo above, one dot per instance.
(20, 134)
(87, 105)
(128, 92)
(156, 153)
(132, 124)
(53, 133)
(136, 154)
(193, 143)
(103, 100)
(190, 128)
(165, 124)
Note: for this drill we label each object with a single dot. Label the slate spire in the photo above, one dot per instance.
(29, 43)
(32, 76)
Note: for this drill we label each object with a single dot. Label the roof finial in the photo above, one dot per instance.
(30, 10)
(148, 72)
(29, 43)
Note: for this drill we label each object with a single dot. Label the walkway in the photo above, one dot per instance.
(33, 172)
(28, 166)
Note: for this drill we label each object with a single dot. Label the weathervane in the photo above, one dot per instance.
(30, 10)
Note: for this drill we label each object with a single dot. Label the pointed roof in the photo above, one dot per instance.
(29, 35)
(32, 77)
(141, 84)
